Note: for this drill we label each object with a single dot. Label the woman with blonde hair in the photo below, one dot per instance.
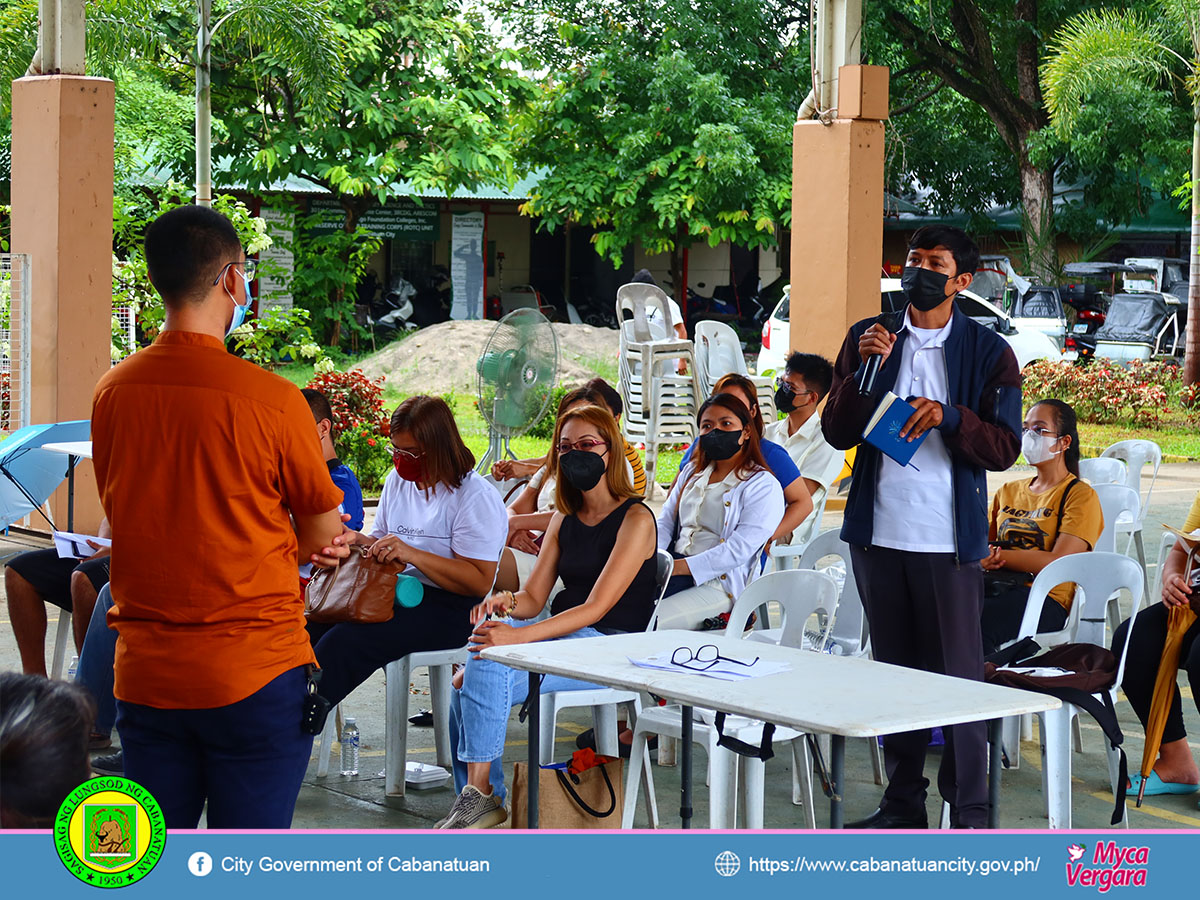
(601, 544)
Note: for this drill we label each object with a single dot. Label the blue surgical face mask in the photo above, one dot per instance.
(239, 311)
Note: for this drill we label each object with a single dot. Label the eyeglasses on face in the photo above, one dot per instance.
(249, 267)
(588, 444)
(401, 453)
(1040, 432)
(703, 658)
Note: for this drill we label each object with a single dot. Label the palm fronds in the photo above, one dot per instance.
(300, 35)
(1093, 49)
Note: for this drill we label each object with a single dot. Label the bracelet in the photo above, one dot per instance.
(512, 601)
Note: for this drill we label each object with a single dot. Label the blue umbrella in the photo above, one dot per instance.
(29, 473)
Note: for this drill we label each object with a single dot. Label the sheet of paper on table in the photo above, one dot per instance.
(722, 669)
(75, 546)
(1037, 671)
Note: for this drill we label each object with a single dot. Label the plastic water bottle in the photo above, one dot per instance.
(73, 669)
(350, 748)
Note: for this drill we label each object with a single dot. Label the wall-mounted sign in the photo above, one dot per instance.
(399, 219)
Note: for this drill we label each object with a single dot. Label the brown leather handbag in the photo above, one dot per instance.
(360, 590)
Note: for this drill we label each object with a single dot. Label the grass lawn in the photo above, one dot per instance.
(1178, 438)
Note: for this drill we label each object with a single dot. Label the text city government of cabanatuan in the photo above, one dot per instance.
(270, 864)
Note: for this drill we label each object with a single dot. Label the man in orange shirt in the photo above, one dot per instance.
(215, 486)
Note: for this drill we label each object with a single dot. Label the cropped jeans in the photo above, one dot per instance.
(479, 712)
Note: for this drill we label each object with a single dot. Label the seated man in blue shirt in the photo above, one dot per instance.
(342, 475)
(100, 643)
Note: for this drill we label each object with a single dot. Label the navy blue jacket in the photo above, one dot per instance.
(981, 426)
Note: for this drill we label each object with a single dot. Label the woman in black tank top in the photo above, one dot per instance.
(602, 544)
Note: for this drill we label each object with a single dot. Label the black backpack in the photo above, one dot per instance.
(1090, 670)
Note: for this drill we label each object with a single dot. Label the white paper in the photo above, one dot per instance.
(75, 546)
(722, 669)
(1037, 671)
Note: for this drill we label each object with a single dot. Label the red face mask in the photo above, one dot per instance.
(407, 468)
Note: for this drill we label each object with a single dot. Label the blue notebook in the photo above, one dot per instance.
(883, 429)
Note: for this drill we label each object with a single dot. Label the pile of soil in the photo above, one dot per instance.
(441, 358)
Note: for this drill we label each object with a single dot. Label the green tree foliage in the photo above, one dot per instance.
(1099, 49)
(425, 105)
(663, 121)
(967, 97)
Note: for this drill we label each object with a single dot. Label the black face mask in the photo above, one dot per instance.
(718, 445)
(785, 400)
(582, 469)
(923, 288)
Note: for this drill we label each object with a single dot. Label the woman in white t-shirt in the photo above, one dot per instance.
(445, 525)
(724, 507)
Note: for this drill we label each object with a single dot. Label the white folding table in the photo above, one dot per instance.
(74, 452)
(822, 694)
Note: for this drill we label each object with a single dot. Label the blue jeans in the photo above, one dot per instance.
(95, 670)
(479, 712)
(246, 759)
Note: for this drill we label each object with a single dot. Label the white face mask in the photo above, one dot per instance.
(1036, 448)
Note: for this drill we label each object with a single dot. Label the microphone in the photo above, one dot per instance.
(866, 383)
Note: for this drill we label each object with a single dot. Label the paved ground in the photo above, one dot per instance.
(358, 802)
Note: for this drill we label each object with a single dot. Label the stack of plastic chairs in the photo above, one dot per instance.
(660, 405)
(719, 352)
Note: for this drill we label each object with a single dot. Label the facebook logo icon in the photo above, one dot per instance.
(200, 864)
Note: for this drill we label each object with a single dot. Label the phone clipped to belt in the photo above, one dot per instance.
(316, 708)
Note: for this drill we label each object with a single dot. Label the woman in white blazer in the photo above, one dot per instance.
(724, 507)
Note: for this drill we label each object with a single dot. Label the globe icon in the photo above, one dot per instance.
(727, 863)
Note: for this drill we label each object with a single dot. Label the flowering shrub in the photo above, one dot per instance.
(1189, 396)
(1104, 392)
(360, 423)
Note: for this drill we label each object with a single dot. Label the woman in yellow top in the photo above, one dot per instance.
(1175, 771)
(1035, 522)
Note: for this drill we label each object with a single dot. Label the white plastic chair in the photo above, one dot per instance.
(603, 701)
(63, 639)
(719, 352)
(787, 556)
(1116, 501)
(850, 634)
(1103, 470)
(1119, 503)
(1136, 454)
(660, 406)
(398, 676)
(1097, 577)
(800, 594)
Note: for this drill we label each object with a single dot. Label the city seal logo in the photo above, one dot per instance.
(110, 832)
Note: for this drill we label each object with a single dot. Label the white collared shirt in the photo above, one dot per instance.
(914, 504)
(702, 512)
(816, 460)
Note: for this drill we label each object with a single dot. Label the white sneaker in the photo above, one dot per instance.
(474, 809)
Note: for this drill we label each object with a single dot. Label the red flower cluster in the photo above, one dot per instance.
(1103, 392)
(357, 401)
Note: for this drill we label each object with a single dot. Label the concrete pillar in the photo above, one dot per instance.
(62, 193)
(837, 230)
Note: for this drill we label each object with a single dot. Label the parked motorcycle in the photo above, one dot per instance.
(392, 312)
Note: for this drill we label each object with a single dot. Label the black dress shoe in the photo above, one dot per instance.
(881, 819)
(423, 719)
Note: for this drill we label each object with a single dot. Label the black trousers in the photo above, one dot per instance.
(923, 610)
(348, 652)
(1141, 665)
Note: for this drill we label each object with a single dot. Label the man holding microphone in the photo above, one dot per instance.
(917, 532)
